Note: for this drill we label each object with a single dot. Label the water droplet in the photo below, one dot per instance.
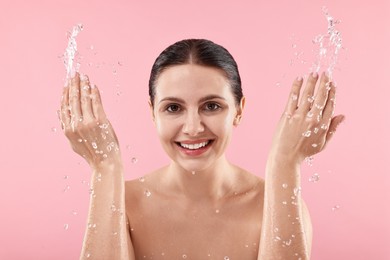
(128, 147)
(294, 45)
(193, 172)
(284, 185)
(74, 213)
(90, 225)
(316, 130)
(324, 126)
(66, 188)
(310, 99)
(113, 208)
(314, 145)
(314, 178)
(147, 193)
(54, 129)
(94, 145)
(141, 179)
(278, 84)
(277, 238)
(184, 256)
(88, 255)
(284, 202)
(119, 93)
(217, 211)
(297, 191)
(226, 258)
(134, 160)
(276, 229)
(309, 160)
(66, 226)
(310, 114)
(294, 97)
(80, 140)
(307, 133)
(66, 177)
(335, 208)
(288, 242)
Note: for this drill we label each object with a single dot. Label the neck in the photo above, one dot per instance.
(212, 183)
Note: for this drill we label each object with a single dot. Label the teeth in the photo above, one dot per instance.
(194, 146)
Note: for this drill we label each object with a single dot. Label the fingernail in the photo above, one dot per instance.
(73, 72)
(314, 74)
(299, 78)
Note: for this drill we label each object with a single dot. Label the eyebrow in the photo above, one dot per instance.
(203, 99)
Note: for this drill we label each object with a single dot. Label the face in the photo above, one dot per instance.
(194, 113)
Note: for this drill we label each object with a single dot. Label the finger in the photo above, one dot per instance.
(64, 113)
(294, 96)
(85, 100)
(307, 95)
(74, 99)
(97, 106)
(336, 121)
(328, 111)
(320, 98)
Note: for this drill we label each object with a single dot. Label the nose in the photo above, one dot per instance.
(193, 124)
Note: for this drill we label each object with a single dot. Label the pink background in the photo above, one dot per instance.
(36, 204)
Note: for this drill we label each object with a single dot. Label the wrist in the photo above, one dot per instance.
(108, 164)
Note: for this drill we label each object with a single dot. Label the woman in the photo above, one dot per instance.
(200, 206)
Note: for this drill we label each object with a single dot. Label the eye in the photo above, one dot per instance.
(172, 108)
(211, 106)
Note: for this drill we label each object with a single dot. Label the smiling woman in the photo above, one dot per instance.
(200, 206)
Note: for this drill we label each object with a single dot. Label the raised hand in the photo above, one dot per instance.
(85, 123)
(307, 124)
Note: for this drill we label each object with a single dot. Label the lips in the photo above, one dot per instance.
(194, 148)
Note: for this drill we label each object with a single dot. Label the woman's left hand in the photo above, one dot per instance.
(307, 123)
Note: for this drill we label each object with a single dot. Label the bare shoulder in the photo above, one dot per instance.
(142, 186)
(249, 181)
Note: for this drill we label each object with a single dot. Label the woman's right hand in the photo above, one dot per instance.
(85, 123)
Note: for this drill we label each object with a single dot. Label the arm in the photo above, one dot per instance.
(91, 136)
(303, 131)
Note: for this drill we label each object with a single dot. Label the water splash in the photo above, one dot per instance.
(314, 178)
(336, 208)
(66, 226)
(328, 46)
(71, 51)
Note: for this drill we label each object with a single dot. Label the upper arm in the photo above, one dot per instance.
(128, 200)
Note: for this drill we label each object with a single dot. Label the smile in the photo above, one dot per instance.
(194, 146)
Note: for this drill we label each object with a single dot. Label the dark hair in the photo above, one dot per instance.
(201, 52)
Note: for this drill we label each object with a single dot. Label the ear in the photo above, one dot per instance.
(240, 109)
(151, 110)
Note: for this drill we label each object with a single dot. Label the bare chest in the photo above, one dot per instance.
(168, 229)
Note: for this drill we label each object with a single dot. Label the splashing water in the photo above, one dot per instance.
(71, 51)
(328, 46)
(314, 178)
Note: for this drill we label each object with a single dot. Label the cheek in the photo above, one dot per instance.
(165, 129)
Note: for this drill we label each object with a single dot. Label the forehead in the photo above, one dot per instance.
(192, 80)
